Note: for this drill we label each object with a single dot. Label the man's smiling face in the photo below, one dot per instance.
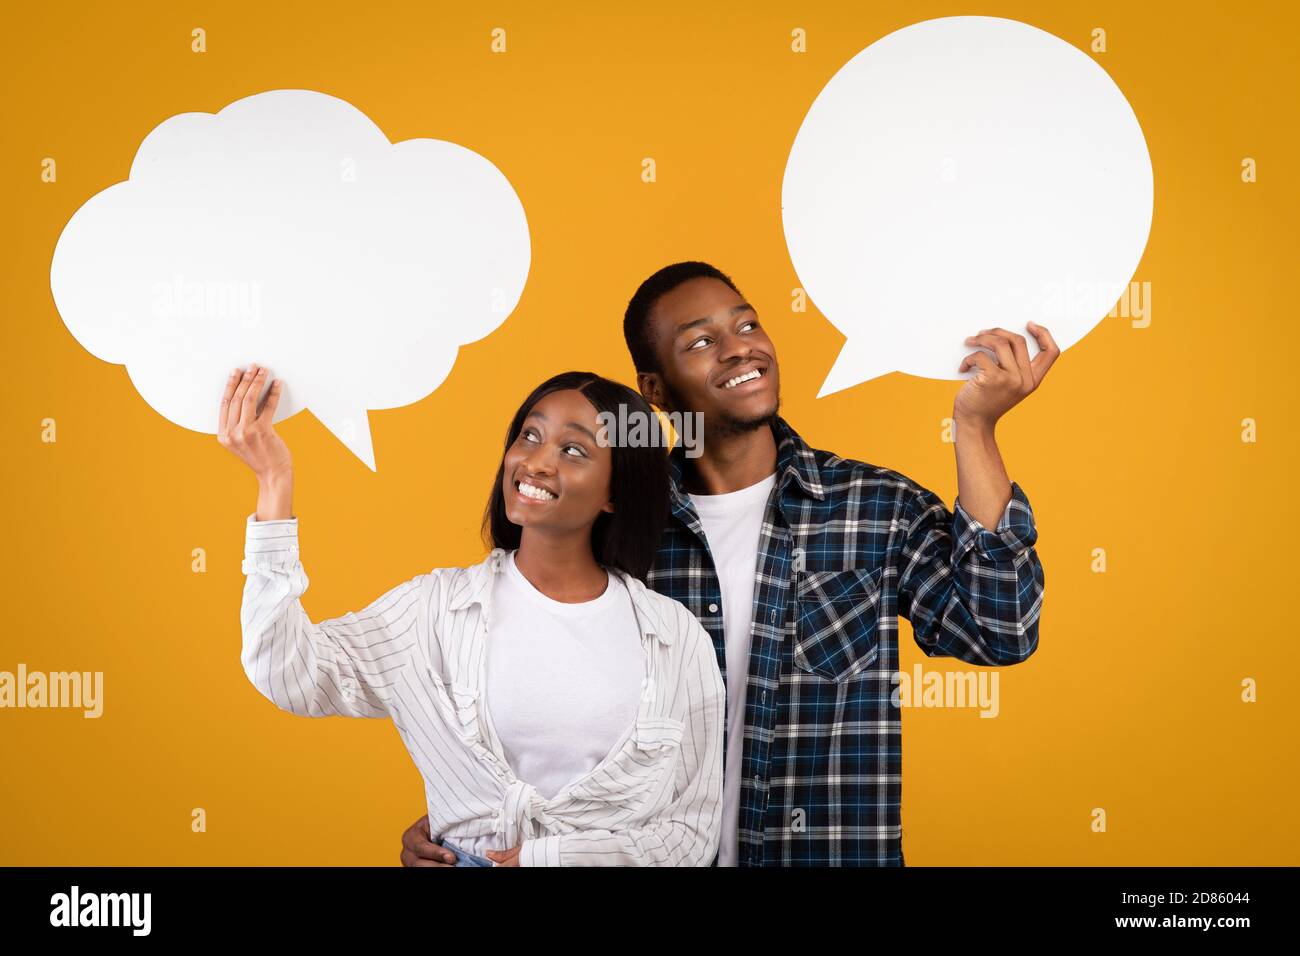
(714, 358)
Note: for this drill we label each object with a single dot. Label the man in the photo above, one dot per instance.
(798, 563)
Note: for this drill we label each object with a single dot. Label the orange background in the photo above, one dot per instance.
(1131, 704)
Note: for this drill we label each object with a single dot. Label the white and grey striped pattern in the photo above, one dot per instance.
(417, 655)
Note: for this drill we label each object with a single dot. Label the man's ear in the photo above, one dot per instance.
(651, 386)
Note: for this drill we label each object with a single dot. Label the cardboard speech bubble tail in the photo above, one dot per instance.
(350, 426)
(853, 366)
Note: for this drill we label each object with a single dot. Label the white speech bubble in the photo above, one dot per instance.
(287, 230)
(958, 174)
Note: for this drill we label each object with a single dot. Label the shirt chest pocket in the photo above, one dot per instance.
(837, 624)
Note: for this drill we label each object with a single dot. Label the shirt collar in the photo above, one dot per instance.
(795, 462)
(474, 586)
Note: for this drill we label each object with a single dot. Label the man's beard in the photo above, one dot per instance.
(727, 424)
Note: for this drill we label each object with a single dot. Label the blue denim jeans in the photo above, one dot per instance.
(464, 857)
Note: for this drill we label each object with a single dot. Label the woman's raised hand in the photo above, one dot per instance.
(252, 439)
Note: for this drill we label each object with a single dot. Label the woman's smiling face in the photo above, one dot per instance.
(556, 475)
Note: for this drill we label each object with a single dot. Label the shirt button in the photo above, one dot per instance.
(713, 609)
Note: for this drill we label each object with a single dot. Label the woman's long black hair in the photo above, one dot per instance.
(628, 538)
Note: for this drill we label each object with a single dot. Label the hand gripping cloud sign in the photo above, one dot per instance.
(287, 230)
(958, 174)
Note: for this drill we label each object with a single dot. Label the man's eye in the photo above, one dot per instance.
(751, 324)
(700, 341)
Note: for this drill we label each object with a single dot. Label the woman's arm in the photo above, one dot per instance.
(343, 666)
(688, 830)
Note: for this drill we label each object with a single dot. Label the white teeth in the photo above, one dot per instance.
(748, 376)
(532, 491)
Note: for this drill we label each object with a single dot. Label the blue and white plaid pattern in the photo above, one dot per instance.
(846, 547)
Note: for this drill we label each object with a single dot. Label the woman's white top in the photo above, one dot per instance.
(419, 654)
(563, 680)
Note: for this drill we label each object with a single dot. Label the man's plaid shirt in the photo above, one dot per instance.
(845, 548)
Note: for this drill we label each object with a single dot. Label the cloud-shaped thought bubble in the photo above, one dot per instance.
(287, 230)
(958, 174)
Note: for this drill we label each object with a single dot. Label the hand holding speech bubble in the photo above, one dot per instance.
(958, 174)
(287, 230)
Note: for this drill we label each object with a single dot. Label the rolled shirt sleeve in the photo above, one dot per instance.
(970, 592)
(1014, 534)
(344, 666)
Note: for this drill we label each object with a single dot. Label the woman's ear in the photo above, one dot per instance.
(608, 507)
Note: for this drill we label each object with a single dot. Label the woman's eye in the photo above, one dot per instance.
(528, 435)
(578, 449)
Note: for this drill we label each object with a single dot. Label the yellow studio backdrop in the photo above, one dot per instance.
(1132, 705)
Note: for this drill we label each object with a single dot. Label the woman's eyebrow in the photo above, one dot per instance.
(584, 429)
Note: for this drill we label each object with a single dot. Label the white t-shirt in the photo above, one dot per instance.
(563, 680)
(733, 524)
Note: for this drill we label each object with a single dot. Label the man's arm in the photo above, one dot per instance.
(418, 848)
(971, 592)
(983, 487)
(998, 385)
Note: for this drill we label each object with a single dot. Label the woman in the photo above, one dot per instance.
(559, 711)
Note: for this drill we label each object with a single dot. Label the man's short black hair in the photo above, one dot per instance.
(636, 320)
